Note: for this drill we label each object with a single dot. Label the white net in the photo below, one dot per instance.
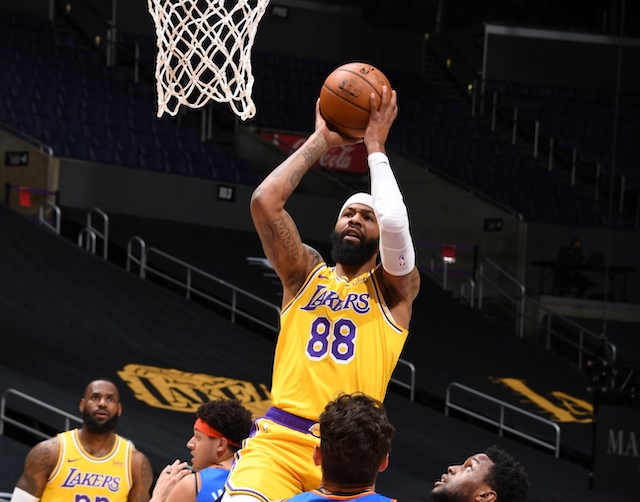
(204, 53)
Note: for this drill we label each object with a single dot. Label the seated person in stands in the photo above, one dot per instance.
(491, 476)
(221, 426)
(567, 274)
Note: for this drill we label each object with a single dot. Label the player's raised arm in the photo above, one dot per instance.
(290, 258)
(400, 276)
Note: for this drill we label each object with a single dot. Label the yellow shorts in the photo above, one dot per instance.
(276, 462)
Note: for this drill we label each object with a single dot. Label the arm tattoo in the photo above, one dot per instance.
(295, 177)
(147, 476)
(313, 151)
(310, 153)
(406, 288)
(410, 284)
(39, 463)
(280, 234)
(40, 460)
(284, 232)
(140, 492)
(268, 237)
(315, 256)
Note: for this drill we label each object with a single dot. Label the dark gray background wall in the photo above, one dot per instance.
(313, 30)
(550, 57)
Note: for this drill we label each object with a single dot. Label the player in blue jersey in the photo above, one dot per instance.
(218, 432)
(355, 441)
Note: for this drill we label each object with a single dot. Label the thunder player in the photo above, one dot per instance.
(90, 464)
(354, 448)
(342, 328)
(221, 426)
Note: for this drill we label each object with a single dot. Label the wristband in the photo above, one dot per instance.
(19, 495)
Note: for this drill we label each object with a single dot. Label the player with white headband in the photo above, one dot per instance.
(343, 327)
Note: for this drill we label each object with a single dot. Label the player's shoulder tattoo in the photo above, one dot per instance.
(315, 256)
(410, 283)
(399, 289)
(43, 457)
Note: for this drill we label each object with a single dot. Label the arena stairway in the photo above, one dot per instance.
(68, 317)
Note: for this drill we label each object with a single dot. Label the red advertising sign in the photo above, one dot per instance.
(347, 159)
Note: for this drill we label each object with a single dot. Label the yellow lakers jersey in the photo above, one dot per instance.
(335, 336)
(81, 477)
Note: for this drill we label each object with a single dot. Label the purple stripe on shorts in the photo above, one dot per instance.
(292, 421)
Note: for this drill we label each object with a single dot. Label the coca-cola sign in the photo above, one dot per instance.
(348, 159)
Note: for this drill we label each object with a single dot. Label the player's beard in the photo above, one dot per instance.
(99, 428)
(444, 494)
(350, 254)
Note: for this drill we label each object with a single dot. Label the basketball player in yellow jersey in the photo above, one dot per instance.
(90, 464)
(343, 327)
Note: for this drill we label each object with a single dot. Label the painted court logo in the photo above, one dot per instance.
(560, 406)
(177, 390)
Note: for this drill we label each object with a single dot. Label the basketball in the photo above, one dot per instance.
(344, 97)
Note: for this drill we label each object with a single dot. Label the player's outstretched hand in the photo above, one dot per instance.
(380, 120)
(168, 478)
(332, 137)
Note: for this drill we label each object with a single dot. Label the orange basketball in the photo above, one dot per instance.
(344, 97)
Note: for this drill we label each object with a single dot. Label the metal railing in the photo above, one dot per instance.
(190, 273)
(142, 261)
(412, 383)
(547, 324)
(43, 221)
(21, 395)
(518, 301)
(470, 299)
(500, 423)
(90, 243)
(443, 277)
(104, 234)
(550, 323)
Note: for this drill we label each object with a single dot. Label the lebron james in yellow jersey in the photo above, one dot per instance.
(89, 464)
(343, 327)
(81, 477)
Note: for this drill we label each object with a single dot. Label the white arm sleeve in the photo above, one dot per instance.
(19, 495)
(397, 252)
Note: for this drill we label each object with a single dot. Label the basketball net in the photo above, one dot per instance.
(204, 53)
